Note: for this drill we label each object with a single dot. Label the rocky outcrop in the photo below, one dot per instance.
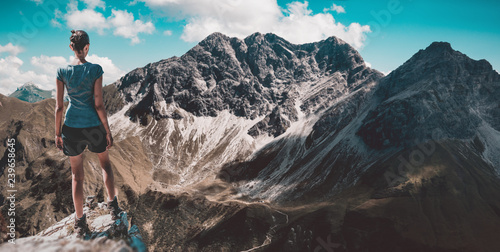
(106, 235)
(43, 173)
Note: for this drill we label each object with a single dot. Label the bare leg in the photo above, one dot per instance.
(107, 174)
(77, 184)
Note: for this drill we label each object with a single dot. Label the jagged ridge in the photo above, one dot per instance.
(252, 77)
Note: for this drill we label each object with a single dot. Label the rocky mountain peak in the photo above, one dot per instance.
(249, 77)
(30, 92)
(441, 55)
(268, 38)
(438, 61)
(436, 52)
(28, 85)
(215, 36)
(439, 46)
(417, 97)
(214, 40)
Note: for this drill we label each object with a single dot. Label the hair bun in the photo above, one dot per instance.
(79, 39)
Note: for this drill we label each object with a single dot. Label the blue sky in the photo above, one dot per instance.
(124, 35)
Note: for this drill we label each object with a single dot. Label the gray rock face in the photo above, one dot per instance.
(438, 89)
(257, 76)
(336, 118)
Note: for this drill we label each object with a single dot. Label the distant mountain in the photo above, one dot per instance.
(260, 144)
(30, 92)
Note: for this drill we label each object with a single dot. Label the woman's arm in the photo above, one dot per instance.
(59, 111)
(101, 111)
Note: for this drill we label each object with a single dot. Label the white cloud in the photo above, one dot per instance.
(92, 4)
(48, 64)
(11, 76)
(44, 71)
(57, 16)
(11, 49)
(300, 26)
(111, 71)
(167, 32)
(86, 20)
(55, 23)
(125, 26)
(240, 18)
(336, 8)
(121, 22)
(368, 64)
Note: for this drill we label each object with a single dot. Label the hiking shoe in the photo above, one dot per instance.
(81, 227)
(114, 209)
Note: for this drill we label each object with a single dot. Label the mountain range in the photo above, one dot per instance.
(30, 92)
(261, 144)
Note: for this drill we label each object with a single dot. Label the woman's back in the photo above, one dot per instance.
(85, 126)
(79, 81)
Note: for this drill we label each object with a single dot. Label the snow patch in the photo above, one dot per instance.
(491, 140)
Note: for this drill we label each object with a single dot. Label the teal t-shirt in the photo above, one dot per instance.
(79, 81)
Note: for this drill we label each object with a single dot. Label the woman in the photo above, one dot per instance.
(85, 125)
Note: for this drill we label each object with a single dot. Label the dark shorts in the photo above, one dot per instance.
(75, 140)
